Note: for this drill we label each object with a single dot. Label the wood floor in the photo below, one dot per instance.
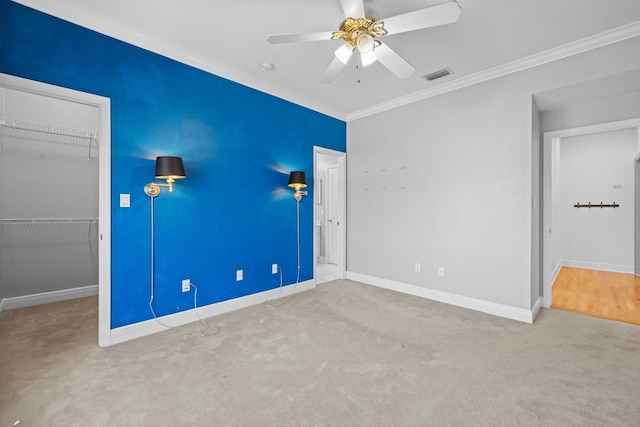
(614, 296)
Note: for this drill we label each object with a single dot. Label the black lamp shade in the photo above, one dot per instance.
(297, 179)
(169, 166)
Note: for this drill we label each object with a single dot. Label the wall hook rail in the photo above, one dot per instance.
(596, 205)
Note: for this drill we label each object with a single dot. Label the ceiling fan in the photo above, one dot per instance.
(362, 33)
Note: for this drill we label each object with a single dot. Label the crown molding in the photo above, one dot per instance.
(128, 35)
(593, 42)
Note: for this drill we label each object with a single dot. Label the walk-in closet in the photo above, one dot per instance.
(49, 181)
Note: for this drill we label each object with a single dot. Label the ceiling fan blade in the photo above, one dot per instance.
(393, 62)
(332, 71)
(293, 38)
(368, 58)
(433, 16)
(353, 8)
(344, 52)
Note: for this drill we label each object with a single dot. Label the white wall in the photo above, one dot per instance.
(47, 176)
(605, 110)
(597, 168)
(465, 161)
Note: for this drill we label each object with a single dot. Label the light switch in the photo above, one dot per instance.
(125, 200)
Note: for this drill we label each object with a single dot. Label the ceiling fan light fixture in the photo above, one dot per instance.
(364, 32)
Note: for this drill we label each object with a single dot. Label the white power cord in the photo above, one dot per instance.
(279, 294)
(154, 315)
(295, 286)
(195, 310)
(195, 295)
(153, 284)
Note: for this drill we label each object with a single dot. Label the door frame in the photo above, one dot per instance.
(636, 210)
(341, 159)
(104, 191)
(551, 138)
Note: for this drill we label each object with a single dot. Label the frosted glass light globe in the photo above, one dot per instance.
(364, 42)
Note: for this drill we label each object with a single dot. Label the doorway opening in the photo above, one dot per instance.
(561, 218)
(329, 217)
(103, 221)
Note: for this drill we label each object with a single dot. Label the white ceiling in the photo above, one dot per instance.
(229, 39)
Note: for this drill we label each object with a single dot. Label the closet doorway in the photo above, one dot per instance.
(54, 203)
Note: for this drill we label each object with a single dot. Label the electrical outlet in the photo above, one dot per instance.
(186, 285)
(417, 267)
(274, 268)
(239, 275)
(441, 271)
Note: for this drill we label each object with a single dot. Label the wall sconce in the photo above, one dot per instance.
(168, 168)
(298, 180)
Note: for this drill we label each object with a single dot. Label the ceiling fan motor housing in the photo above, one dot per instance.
(361, 33)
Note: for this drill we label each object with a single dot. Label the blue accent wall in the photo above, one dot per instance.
(233, 211)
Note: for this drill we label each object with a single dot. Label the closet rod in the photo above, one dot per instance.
(92, 220)
(17, 124)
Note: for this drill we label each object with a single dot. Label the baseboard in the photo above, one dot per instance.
(495, 309)
(148, 327)
(556, 271)
(47, 297)
(614, 268)
(536, 309)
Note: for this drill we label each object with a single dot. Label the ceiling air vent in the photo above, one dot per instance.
(438, 74)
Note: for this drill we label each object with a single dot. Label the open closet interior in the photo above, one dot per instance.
(49, 181)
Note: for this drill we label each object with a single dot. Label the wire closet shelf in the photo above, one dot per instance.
(48, 231)
(64, 134)
(30, 221)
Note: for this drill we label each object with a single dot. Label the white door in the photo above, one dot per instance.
(333, 216)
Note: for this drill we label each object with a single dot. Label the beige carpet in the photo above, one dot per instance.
(343, 354)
